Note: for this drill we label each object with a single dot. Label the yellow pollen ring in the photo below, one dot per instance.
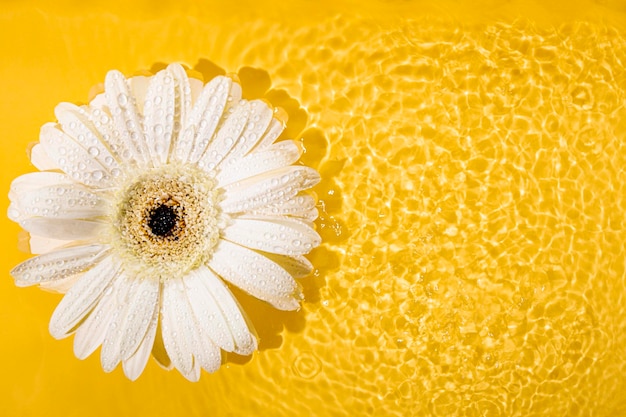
(190, 194)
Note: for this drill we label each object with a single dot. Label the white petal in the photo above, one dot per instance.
(63, 201)
(194, 374)
(257, 275)
(194, 341)
(92, 331)
(75, 122)
(15, 213)
(240, 329)
(126, 119)
(40, 159)
(160, 101)
(138, 88)
(141, 309)
(23, 188)
(206, 309)
(277, 156)
(177, 325)
(98, 115)
(208, 355)
(130, 323)
(73, 159)
(57, 265)
(258, 122)
(35, 180)
(227, 136)
(64, 229)
(301, 206)
(274, 130)
(166, 105)
(99, 101)
(38, 244)
(296, 266)
(109, 355)
(269, 188)
(62, 285)
(134, 366)
(196, 86)
(204, 118)
(82, 297)
(276, 235)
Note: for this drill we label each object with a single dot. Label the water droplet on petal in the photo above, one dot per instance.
(122, 99)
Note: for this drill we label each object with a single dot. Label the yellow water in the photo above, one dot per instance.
(473, 199)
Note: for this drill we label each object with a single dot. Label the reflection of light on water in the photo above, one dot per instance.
(307, 365)
(480, 190)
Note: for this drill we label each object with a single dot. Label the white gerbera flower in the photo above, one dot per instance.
(148, 199)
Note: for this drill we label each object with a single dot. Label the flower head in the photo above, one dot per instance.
(148, 201)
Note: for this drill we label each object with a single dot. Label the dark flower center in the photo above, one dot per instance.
(162, 220)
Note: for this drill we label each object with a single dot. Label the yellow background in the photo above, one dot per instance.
(472, 203)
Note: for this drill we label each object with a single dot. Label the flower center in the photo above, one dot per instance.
(162, 220)
(166, 222)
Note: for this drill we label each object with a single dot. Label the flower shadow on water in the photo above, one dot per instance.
(269, 322)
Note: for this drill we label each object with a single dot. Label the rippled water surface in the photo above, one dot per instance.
(473, 212)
